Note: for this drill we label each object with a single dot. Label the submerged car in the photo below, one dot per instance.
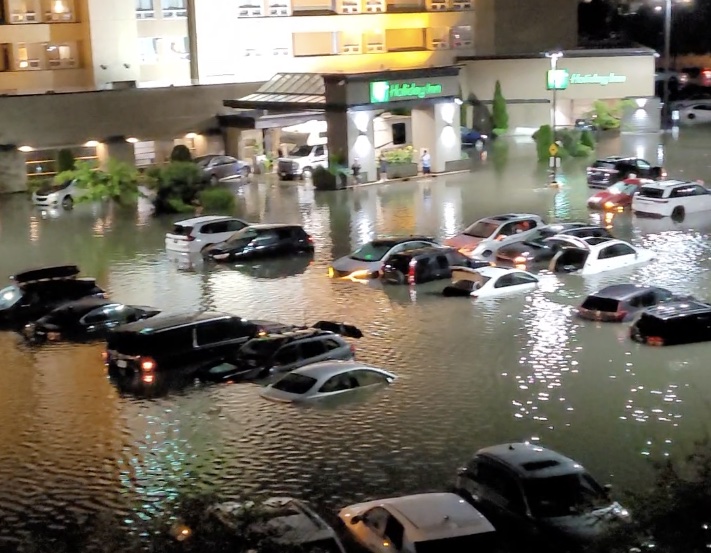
(597, 255)
(423, 523)
(538, 493)
(621, 302)
(87, 318)
(618, 196)
(36, 292)
(217, 167)
(671, 198)
(483, 238)
(284, 352)
(608, 171)
(284, 521)
(326, 380)
(425, 265)
(489, 282)
(673, 323)
(62, 194)
(260, 241)
(368, 260)
(191, 236)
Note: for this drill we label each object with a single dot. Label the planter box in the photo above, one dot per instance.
(457, 165)
(402, 170)
(326, 181)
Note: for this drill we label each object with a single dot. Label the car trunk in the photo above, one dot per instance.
(602, 309)
(179, 237)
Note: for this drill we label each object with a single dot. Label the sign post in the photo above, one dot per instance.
(556, 79)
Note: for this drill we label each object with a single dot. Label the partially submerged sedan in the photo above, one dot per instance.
(597, 255)
(489, 282)
(618, 196)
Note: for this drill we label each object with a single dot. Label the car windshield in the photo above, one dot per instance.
(242, 235)
(559, 496)
(475, 283)
(203, 161)
(372, 251)
(300, 151)
(294, 383)
(222, 368)
(481, 229)
(622, 188)
(9, 296)
(649, 192)
(604, 165)
(461, 544)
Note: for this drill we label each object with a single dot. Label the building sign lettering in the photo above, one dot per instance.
(597, 78)
(385, 91)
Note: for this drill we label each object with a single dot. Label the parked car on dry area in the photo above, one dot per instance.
(425, 265)
(423, 523)
(672, 198)
(36, 292)
(200, 233)
(483, 238)
(64, 194)
(607, 171)
(621, 302)
(618, 196)
(489, 282)
(597, 255)
(326, 380)
(540, 495)
(262, 241)
(217, 167)
(85, 319)
(673, 323)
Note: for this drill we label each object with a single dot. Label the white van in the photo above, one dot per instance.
(301, 161)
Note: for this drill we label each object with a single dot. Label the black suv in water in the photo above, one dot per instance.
(674, 323)
(259, 241)
(180, 342)
(425, 264)
(620, 302)
(606, 172)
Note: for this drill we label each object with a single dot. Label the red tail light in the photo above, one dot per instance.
(620, 315)
(411, 272)
(147, 364)
(190, 238)
(310, 239)
(655, 341)
(353, 349)
(104, 356)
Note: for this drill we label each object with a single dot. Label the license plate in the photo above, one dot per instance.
(121, 364)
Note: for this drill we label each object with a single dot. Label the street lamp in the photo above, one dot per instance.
(554, 57)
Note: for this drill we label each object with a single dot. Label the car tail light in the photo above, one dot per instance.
(520, 260)
(609, 205)
(147, 364)
(310, 239)
(655, 341)
(411, 272)
(190, 238)
(664, 173)
(105, 356)
(620, 315)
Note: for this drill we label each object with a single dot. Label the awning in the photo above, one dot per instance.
(285, 92)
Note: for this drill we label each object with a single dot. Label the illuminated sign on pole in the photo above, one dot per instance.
(385, 91)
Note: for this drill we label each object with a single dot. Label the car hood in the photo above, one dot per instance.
(348, 264)
(463, 241)
(605, 196)
(514, 250)
(590, 526)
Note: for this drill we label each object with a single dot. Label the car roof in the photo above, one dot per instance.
(272, 226)
(669, 183)
(297, 334)
(599, 242)
(615, 159)
(623, 291)
(677, 308)
(507, 217)
(86, 304)
(495, 272)
(561, 227)
(434, 516)
(531, 461)
(327, 369)
(431, 250)
(56, 272)
(202, 220)
(395, 240)
(171, 320)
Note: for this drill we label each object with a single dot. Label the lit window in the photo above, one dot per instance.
(462, 37)
(144, 9)
(24, 11)
(163, 49)
(61, 56)
(58, 11)
(174, 8)
(28, 56)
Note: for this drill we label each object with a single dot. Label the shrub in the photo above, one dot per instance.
(499, 132)
(582, 150)
(65, 160)
(544, 139)
(400, 155)
(500, 114)
(118, 182)
(178, 183)
(180, 153)
(587, 139)
(217, 200)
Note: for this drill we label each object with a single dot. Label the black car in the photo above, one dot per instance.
(283, 352)
(425, 264)
(259, 241)
(180, 343)
(538, 252)
(620, 302)
(606, 172)
(673, 323)
(36, 292)
(87, 318)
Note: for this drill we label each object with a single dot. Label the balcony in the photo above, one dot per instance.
(349, 6)
(24, 17)
(279, 8)
(174, 9)
(250, 9)
(375, 6)
(461, 5)
(438, 5)
(145, 14)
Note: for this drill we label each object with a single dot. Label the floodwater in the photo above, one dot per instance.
(472, 373)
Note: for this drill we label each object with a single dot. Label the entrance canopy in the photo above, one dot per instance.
(286, 92)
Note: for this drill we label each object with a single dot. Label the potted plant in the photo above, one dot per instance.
(400, 163)
(462, 164)
(335, 177)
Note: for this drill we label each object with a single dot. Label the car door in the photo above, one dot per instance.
(313, 351)
(265, 243)
(617, 256)
(213, 339)
(440, 267)
(228, 228)
(287, 358)
(319, 157)
(379, 531)
(229, 166)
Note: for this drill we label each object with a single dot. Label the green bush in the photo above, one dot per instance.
(180, 153)
(118, 182)
(544, 138)
(400, 155)
(500, 113)
(582, 150)
(65, 160)
(499, 132)
(217, 200)
(587, 139)
(179, 182)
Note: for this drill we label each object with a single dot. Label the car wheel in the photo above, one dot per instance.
(245, 171)
(214, 180)
(306, 173)
(691, 116)
(486, 253)
(67, 202)
(678, 213)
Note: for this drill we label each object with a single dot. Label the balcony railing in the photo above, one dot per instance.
(53, 17)
(24, 17)
(174, 13)
(145, 14)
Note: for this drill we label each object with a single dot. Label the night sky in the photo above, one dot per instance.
(611, 23)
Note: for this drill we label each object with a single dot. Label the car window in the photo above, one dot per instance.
(215, 332)
(564, 495)
(683, 192)
(456, 258)
(377, 519)
(507, 230)
(481, 229)
(662, 295)
(234, 225)
(523, 278)
(649, 192)
(373, 251)
(643, 164)
(229, 159)
(700, 191)
(266, 238)
(117, 312)
(99, 315)
(284, 234)
(9, 296)
(504, 281)
(294, 383)
(442, 262)
(245, 235)
(647, 299)
(501, 485)
(369, 378)
(331, 344)
(616, 250)
(312, 348)
(339, 383)
(288, 354)
(318, 151)
(394, 533)
(214, 228)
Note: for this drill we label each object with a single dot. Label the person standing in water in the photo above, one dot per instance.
(426, 162)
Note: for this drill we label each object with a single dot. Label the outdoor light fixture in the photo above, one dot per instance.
(191, 135)
(458, 101)
(447, 111)
(132, 140)
(26, 149)
(91, 143)
(641, 102)
(361, 120)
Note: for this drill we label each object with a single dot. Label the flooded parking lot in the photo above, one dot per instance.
(471, 373)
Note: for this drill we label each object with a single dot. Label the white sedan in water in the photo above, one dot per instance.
(597, 255)
(489, 282)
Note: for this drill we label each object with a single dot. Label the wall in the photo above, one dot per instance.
(13, 175)
(147, 113)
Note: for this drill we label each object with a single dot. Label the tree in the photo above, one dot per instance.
(544, 138)
(65, 160)
(500, 113)
(178, 185)
(180, 152)
(118, 182)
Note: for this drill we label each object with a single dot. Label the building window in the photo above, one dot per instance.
(462, 37)
(23, 11)
(144, 9)
(58, 11)
(314, 44)
(349, 6)
(350, 43)
(438, 38)
(279, 8)
(313, 7)
(405, 40)
(251, 8)
(438, 5)
(61, 56)
(174, 8)
(163, 49)
(405, 6)
(28, 57)
(375, 42)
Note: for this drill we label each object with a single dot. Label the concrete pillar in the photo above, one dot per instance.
(233, 138)
(120, 150)
(162, 149)
(13, 172)
(350, 135)
(272, 140)
(193, 42)
(436, 128)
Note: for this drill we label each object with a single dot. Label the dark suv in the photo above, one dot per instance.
(606, 172)
(681, 322)
(425, 264)
(620, 302)
(179, 342)
(263, 241)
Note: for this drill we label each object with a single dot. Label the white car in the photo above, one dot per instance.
(489, 282)
(483, 238)
(671, 198)
(326, 379)
(59, 194)
(695, 114)
(597, 255)
(424, 523)
(194, 235)
(367, 261)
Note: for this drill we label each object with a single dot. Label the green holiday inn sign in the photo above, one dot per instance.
(385, 91)
(559, 79)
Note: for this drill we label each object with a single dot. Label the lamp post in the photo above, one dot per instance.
(554, 57)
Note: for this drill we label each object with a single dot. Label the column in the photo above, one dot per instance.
(13, 172)
(162, 150)
(351, 136)
(436, 129)
(118, 149)
(193, 42)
